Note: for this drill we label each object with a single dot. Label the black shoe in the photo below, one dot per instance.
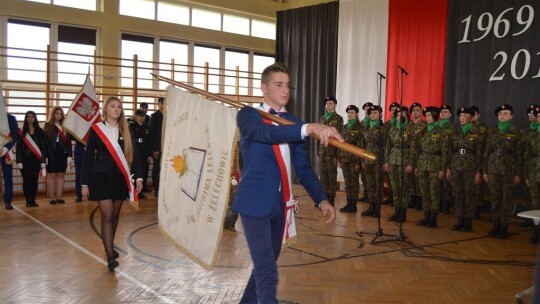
(32, 204)
(495, 229)
(53, 202)
(459, 225)
(116, 255)
(370, 210)
(60, 201)
(78, 200)
(156, 193)
(141, 195)
(432, 220)
(112, 264)
(9, 206)
(425, 221)
(395, 216)
(503, 231)
(467, 225)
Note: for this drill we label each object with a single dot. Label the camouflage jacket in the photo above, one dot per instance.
(503, 152)
(418, 128)
(396, 142)
(465, 151)
(483, 128)
(352, 136)
(448, 129)
(335, 121)
(373, 142)
(532, 157)
(431, 151)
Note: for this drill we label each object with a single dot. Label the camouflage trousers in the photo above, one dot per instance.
(350, 174)
(479, 194)
(446, 191)
(401, 184)
(501, 189)
(464, 192)
(430, 190)
(414, 186)
(363, 179)
(328, 169)
(373, 182)
(535, 194)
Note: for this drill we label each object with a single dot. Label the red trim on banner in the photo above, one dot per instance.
(417, 42)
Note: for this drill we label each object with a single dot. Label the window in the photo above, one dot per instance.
(178, 51)
(81, 44)
(138, 8)
(203, 54)
(263, 29)
(82, 4)
(27, 35)
(234, 24)
(260, 62)
(235, 59)
(173, 13)
(206, 19)
(143, 47)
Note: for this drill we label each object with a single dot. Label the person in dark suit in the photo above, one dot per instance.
(104, 177)
(156, 123)
(141, 133)
(78, 154)
(31, 156)
(263, 191)
(7, 168)
(58, 155)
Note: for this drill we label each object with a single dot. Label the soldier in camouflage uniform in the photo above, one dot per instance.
(448, 128)
(502, 168)
(532, 168)
(483, 128)
(328, 154)
(418, 126)
(393, 108)
(465, 167)
(373, 141)
(431, 153)
(526, 133)
(398, 162)
(349, 163)
(365, 124)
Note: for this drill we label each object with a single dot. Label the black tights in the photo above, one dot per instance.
(110, 213)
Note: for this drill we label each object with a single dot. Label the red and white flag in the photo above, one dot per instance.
(4, 125)
(83, 112)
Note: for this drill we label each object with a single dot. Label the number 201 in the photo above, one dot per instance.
(513, 70)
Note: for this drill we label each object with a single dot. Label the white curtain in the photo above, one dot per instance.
(362, 52)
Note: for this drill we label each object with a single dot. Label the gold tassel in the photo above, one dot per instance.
(134, 205)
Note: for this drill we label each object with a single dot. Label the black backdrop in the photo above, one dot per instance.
(493, 56)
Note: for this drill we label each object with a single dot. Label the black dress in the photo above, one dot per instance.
(31, 164)
(57, 150)
(101, 173)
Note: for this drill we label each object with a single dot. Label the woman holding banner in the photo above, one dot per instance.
(58, 154)
(30, 156)
(109, 161)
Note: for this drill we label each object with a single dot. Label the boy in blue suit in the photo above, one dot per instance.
(7, 169)
(268, 151)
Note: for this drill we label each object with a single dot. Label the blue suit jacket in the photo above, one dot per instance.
(259, 187)
(14, 129)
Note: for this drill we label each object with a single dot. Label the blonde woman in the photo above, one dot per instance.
(109, 161)
(58, 153)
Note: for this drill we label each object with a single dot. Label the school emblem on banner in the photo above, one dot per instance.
(86, 107)
(195, 173)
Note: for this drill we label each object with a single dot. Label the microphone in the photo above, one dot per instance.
(382, 76)
(403, 70)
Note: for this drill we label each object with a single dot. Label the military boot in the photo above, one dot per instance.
(376, 211)
(503, 231)
(370, 210)
(394, 216)
(495, 229)
(402, 218)
(331, 199)
(459, 225)
(445, 206)
(418, 205)
(364, 197)
(350, 207)
(412, 201)
(477, 212)
(389, 200)
(467, 225)
(536, 236)
(425, 220)
(432, 220)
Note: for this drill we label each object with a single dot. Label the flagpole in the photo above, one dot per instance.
(333, 142)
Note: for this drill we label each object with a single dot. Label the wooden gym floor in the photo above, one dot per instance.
(52, 254)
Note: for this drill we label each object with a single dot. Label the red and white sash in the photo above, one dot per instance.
(61, 132)
(31, 144)
(118, 155)
(10, 157)
(283, 156)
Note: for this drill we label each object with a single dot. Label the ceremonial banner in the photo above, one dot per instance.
(83, 112)
(195, 173)
(4, 125)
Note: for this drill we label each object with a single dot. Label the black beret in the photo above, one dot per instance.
(430, 109)
(143, 105)
(404, 109)
(140, 112)
(536, 111)
(374, 108)
(466, 110)
(327, 98)
(393, 105)
(445, 107)
(531, 108)
(504, 107)
(352, 107)
(414, 105)
(366, 105)
(475, 109)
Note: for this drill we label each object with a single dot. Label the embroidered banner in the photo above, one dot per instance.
(195, 173)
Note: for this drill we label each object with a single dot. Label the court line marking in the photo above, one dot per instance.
(133, 280)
